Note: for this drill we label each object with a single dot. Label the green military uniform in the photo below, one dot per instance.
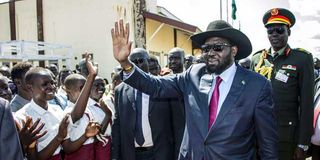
(292, 76)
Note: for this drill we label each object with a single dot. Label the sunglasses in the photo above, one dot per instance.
(138, 61)
(277, 30)
(215, 47)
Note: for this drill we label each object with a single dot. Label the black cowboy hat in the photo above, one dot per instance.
(220, 28)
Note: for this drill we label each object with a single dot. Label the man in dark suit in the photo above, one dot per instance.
(142, 128)
(175, 62)
(9, 141)
(228, 109)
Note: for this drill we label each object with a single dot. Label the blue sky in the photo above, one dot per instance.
(305, 33)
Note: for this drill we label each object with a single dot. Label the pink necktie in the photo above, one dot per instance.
(213, 107)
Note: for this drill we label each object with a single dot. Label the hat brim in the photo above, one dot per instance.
(235, 36)
(276, 22)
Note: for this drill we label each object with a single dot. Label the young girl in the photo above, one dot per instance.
(89, 110)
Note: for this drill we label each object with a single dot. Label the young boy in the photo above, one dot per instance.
(23, 95)
(41, 85)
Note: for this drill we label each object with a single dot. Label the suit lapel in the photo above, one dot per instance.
(205, 84)
(231, 100)
(131, 96)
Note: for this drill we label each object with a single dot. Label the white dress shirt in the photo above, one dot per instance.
(227, 78)
(146, 128)
(50, 117)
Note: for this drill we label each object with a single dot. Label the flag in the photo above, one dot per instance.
(234, 10)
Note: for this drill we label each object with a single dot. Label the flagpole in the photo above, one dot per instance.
(220, 9)
(228, 11)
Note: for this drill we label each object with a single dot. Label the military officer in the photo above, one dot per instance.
(291, 72)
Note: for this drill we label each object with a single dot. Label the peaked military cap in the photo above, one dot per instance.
(279, 16)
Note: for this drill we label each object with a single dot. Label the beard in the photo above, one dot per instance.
(221, 66)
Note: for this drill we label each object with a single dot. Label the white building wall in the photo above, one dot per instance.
(86, 25)
(26, 20)
(83, 24)
(4, 23)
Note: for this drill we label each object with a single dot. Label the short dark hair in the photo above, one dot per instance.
(33, 73)
(19, 70)
(116, 77)
(61, 79)
(71, 80)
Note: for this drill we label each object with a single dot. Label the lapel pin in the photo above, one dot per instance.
(243, 82)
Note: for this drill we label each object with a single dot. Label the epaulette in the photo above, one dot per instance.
(260, 51)
(302, 50)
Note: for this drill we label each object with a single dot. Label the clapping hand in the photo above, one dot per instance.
(105, 108)
(92, 129)
(63, 128)
(29, 133)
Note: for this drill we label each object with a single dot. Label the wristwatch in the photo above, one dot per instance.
(128, 69)
(303, 147)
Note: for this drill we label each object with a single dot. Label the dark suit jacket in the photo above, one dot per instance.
(160, 120)
(179, 120)
(9, 141)
(246, 115)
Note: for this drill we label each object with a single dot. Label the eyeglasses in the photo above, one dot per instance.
(215, 47)
(279, 30)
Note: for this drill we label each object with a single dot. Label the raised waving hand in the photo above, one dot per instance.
(121, 43)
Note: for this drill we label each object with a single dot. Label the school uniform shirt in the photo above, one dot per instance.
(17, 103)
(95, 112)
(78, 128)
(51, 118)
(92, 113)
(60, 100)
(109, 101)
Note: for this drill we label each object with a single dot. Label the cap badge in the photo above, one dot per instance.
(274, 12)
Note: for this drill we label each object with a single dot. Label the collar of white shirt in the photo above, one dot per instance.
(91, 102)
(228, 74)
(51, 108)
(37, 108)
